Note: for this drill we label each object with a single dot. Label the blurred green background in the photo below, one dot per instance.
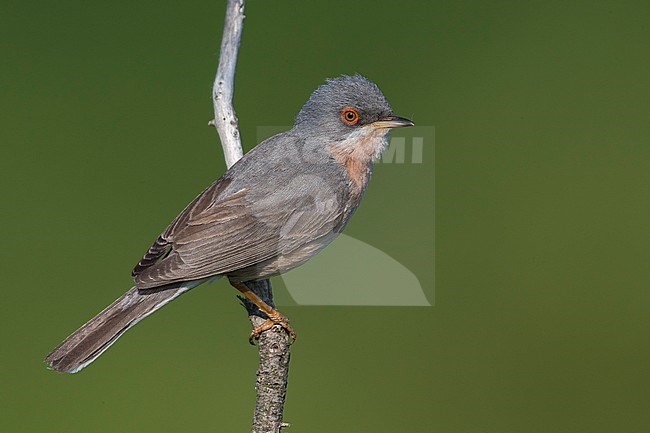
(541, 165)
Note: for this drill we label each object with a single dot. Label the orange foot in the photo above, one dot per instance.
(275, 318)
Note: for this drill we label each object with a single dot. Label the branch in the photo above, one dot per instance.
(225, 120)
(273, 370)
(274, 344)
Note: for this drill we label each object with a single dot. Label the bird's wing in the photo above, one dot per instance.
(218, 233)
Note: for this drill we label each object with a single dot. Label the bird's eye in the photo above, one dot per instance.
(349, 115)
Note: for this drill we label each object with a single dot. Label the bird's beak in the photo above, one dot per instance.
(392, 122)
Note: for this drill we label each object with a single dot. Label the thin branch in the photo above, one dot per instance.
(225, 119)
(273, 370)
(274, 344)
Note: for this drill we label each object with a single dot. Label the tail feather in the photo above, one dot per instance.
(91, 340)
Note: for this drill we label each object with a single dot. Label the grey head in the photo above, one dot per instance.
(347, 107)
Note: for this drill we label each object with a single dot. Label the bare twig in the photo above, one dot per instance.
(273, 370)
(274, 344)
(225, 120)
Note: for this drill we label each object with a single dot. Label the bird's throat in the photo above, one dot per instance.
(358, 152)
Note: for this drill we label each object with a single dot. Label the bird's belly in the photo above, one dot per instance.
(283, 262)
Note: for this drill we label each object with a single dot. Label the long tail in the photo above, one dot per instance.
(85, 344)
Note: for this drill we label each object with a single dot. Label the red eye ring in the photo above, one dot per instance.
(349, 116)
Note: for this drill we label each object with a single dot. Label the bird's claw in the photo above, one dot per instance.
(269, 323)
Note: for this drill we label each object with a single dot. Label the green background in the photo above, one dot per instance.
(541, 165)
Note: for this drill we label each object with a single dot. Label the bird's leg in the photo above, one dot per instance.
(274, 316)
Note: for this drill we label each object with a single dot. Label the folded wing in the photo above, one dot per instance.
(222, 232)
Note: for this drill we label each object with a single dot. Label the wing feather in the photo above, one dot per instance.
(221, 232)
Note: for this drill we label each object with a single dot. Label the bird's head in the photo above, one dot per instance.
(349, 111)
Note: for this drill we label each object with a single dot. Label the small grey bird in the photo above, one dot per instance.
(280, 204)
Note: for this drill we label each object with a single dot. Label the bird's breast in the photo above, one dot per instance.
(357, 153)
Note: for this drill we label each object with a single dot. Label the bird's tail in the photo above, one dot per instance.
(85, 344)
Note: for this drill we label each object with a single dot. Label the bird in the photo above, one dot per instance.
(274, 209)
